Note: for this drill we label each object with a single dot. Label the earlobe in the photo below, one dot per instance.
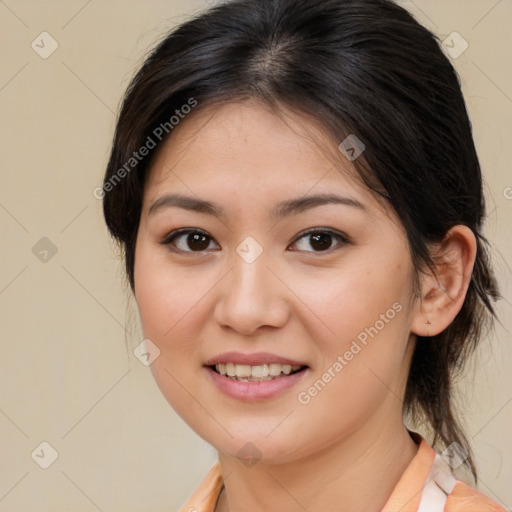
(442, 295)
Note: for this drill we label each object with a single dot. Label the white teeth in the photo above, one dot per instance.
(259, 372)
(274, 369)
(242, 370)
(286, 368)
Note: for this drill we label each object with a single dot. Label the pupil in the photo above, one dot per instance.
(197, 241)
(322, 239)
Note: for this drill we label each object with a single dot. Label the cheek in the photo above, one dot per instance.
(165, 295)
(349, 300)
(169, 305)
(173, 304)
(365, 313)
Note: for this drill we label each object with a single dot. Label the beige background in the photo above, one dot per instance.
(66, 376)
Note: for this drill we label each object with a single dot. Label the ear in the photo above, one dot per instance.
(442, 295)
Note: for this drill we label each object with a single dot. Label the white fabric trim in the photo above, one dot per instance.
(440, 483)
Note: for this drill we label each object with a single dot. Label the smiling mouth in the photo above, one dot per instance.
(259, 373)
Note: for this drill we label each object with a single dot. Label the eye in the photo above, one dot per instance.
(194, 239)
(321, 239)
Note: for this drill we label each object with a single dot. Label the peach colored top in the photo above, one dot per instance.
(427, 485)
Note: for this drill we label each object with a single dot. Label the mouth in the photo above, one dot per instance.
(255, 377)
(258, 373)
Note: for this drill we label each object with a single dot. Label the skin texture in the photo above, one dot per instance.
(348, 444)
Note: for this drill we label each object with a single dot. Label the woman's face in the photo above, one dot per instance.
(247, 280)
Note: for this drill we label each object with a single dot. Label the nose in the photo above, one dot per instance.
(251, 296)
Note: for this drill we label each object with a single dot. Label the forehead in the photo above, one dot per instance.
(245, 149)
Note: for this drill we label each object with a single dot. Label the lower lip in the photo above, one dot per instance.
(254, 391)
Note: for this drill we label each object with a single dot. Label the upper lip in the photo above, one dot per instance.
(254, 359)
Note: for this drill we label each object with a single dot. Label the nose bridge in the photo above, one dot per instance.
(250, 273)
(250, 296)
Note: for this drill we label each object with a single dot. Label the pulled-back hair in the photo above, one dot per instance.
(362, 67)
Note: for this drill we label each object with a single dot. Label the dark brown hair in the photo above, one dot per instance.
(363, 67)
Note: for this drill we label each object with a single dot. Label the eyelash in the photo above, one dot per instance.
(169, 239)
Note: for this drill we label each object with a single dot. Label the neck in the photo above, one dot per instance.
(351, 474)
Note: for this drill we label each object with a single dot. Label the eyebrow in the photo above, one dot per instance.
(283, 209)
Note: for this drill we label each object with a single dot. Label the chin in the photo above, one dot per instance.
(255, 446)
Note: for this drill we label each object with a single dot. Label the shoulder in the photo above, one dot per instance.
(429, 485)
(464, 498)
(207, 493)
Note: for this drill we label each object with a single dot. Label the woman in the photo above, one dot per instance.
(298, 196)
